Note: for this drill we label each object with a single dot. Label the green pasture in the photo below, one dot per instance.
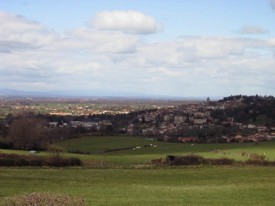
(123, 178)
(213, 186)
(97, 145)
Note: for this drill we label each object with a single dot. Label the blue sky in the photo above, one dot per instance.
(177, 48)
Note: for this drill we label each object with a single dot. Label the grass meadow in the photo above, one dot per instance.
(127, 177)
(96, 145)
(174, 186)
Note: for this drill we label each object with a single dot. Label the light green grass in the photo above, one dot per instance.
(229, 186)
(190, 186)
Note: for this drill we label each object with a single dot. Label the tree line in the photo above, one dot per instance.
(254, 109)
(28, 131)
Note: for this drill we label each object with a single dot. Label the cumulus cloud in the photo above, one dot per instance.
(98, 41)
(31, 58)
(253, 30)
(213, 65)
(16, 32)
(126, 21)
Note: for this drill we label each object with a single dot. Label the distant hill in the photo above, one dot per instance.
(90, 93)
(14, 92)
(250, 109)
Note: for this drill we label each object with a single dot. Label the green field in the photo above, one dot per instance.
(127, 178)
(177, 186)
(97, 158)
(143, 156)
(96, 146)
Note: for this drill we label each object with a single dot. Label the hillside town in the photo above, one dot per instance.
(200, 122)
(190, 123)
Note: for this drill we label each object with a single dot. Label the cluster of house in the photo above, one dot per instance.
(66, 109)
(87, 125)
(257, 137)
(251, 138)
(166, 122)
(169, 120)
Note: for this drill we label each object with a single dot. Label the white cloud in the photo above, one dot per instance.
(16, 32)
(98, 41)
(90, 59)
(209, 65)
(126, 21)
(253, 30)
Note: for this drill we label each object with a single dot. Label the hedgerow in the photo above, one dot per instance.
(25, 160)
(198, 160)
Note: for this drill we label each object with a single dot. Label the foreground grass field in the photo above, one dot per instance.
(249, 186)
(109, 184)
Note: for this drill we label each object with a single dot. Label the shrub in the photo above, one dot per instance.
(55, 149)
(257, 157)
(220, 161)
(37, 162)
(44, 199)
(5, 144)
(24, 160)
(197, 160)
(260, 162)
(75, 162)
(62, 162)
(6, 162)
(184, 160)
(20, 162)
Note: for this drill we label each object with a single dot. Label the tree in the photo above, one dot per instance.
(3, 130)
(109, 129)
(55, 150)
(28, 133)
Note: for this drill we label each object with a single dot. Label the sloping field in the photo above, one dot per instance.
(213, 186)
(155, 186)
(97, 145)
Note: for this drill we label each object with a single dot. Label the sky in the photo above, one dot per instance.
(177, 48)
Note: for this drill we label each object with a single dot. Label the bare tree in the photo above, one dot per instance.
(28, 133)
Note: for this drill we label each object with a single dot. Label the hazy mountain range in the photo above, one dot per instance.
(92, 93)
